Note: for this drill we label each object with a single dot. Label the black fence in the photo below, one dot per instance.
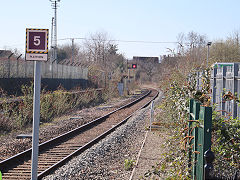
(12, 86)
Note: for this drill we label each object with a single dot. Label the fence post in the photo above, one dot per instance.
(209, 157)
(189, 132)
(18, 64)
(62, 71)
(195, 155)
(194, 115)
(202, 141)
(196, 110)
(207, 129)
(9, 65)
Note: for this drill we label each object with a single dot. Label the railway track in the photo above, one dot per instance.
(56, 152)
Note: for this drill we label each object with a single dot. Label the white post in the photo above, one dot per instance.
(36, 118)
(128, 82)
(152, 113)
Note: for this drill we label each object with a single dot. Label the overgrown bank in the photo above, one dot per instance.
(18, 115)
(177, 79)
(173, 115)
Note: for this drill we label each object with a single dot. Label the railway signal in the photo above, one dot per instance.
(134, 66)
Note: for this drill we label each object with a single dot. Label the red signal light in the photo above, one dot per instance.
(134, 66)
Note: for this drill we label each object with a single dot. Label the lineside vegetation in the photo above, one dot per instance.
(179, 88)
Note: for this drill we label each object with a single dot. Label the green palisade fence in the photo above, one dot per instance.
(200, 137)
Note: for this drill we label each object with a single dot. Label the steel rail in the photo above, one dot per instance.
(11, 162)
(91, 143)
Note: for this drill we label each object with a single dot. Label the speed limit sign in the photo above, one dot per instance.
(36, 44)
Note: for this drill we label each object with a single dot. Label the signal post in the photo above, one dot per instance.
(129, 67)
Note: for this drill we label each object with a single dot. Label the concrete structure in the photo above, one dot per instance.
(144, 59)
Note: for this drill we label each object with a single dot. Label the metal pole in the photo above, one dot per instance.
(56, 70)
(72, 50)
(9, 65)
(52, 46)
(36, 118)
(208, 44)
(17, 67)
(128, 83)
(207, 55)
(55, 30)
(25, 68)
(18, 64)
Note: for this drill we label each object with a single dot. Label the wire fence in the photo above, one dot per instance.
(225, 88)
(25, 69)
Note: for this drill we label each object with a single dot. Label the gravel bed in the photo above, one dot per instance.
(105, 160)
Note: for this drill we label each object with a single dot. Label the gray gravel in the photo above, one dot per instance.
(105, 160)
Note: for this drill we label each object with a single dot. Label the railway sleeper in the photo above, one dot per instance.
(17, 177)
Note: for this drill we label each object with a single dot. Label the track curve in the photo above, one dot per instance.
(57, 151)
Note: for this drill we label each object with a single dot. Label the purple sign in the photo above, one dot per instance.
(36, 45)
(37, 41)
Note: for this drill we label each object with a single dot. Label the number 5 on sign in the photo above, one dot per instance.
(37, 41)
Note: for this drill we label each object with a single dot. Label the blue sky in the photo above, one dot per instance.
(140, 20)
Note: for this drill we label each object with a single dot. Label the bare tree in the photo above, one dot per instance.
(102, 51)
(96, 47)
(68, 52)
(147, 69)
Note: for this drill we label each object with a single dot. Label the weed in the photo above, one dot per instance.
(18, 115)
(128, 164)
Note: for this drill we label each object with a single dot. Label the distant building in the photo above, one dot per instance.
(145, 59)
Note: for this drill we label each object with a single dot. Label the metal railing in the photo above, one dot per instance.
(225, 78)
(199, 134)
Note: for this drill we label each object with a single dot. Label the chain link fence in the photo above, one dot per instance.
(25, 69)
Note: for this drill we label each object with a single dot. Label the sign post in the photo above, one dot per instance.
(36, 118)
(36, 50)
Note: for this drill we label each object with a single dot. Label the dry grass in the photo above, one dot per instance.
(18, 115)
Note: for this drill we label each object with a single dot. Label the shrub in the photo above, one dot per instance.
(18, 115)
